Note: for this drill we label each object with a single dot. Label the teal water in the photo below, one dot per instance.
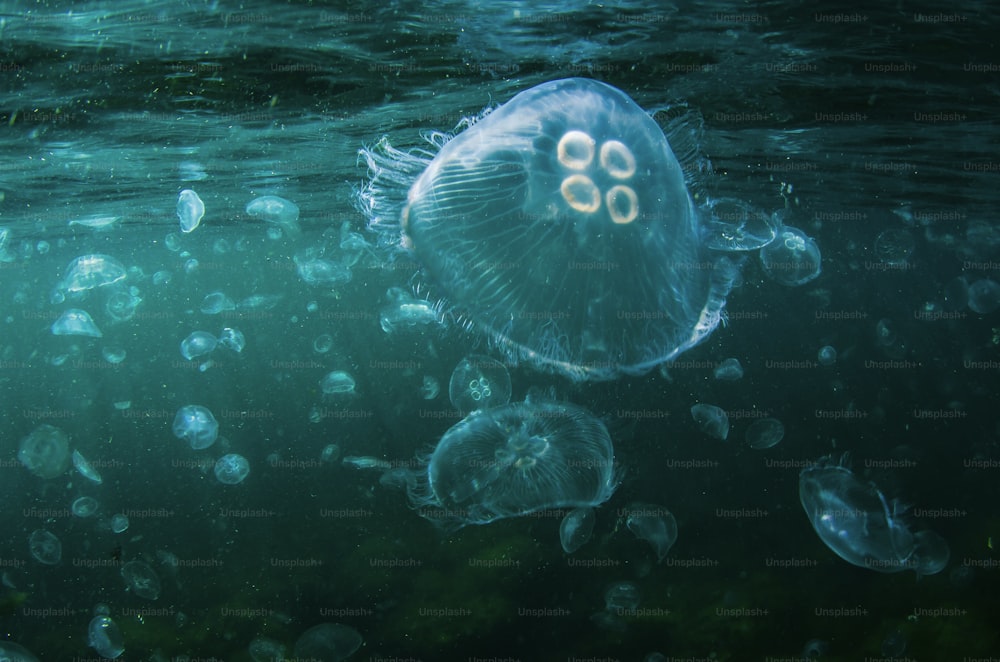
(855, 122)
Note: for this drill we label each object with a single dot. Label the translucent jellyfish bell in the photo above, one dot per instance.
(514, 460)
(559, 224)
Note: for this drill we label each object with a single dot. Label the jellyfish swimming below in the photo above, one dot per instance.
(853, 518)
(560, 225)
(514, 460)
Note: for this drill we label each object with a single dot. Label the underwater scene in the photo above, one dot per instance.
(507, 331)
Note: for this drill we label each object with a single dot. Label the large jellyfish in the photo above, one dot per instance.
(514, 460)
(561, 225)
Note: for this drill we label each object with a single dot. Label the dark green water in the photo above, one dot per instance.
(856, 121)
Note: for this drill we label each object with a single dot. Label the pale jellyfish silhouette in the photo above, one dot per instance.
(561, 226)
(654, 524)
(576, 528)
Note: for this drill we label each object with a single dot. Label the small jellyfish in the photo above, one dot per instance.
(89, 271)
(217, 302)
(231, 469)
(45, 451)
(199, 343)
(479, 382)
(792, 258)
(765, 433)
(119, 523)
(196, 425)
(276, 211)
(407, 312)
(141, 579)
(885, 332)
(894, 644)
(84, 506)
(85, 468)
(76, 322)
(337, 382)
(711, 420)
(621, 597)
(827, 355)
(330, 453)
(729, 370)
(232, 338)
(323, 343)
(104, 636)
(327, 641)
(894, 247)
(654, 524)
(114, 354)
(576, 528)
(315, 269)
(984, 296)
(45, 547)
(430, 388)
(190, 210)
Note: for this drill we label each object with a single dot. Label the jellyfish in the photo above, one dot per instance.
(514, 460)
(853, 518)
(559, 225)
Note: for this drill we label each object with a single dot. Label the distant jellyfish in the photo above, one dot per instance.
(119, 523)
(654, 524)
(45, 547)
(406, 311)
(323, 343)
(104, 636)
(190, 210)
(730, 370)
(327, 641)
(621, 597)
(232, 338)
(277, 211)
(45, 451)
(514, 460)
(827, 355)
(217, 302)
(231, 469)
(792, 258)
(479, 382)
(76, 322)
(196, 425)
(984, 296)
(84, 506)
(430, 388)
(576, 528)
(711, 420)
(893, 247)
(560, 225)
(141, 579)
(733, 225)
(85, 468)
(765, 433)
(337, 382)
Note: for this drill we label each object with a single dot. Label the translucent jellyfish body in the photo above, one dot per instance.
(479, 382)
(89, 271)
(517, 459)
(196, 425)
(231, 469)
(45, 452)
(560, 224)
(141, 579)
(104, 636)
(76, 322)
(45, 547)
(792, 258)
(853, 518)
